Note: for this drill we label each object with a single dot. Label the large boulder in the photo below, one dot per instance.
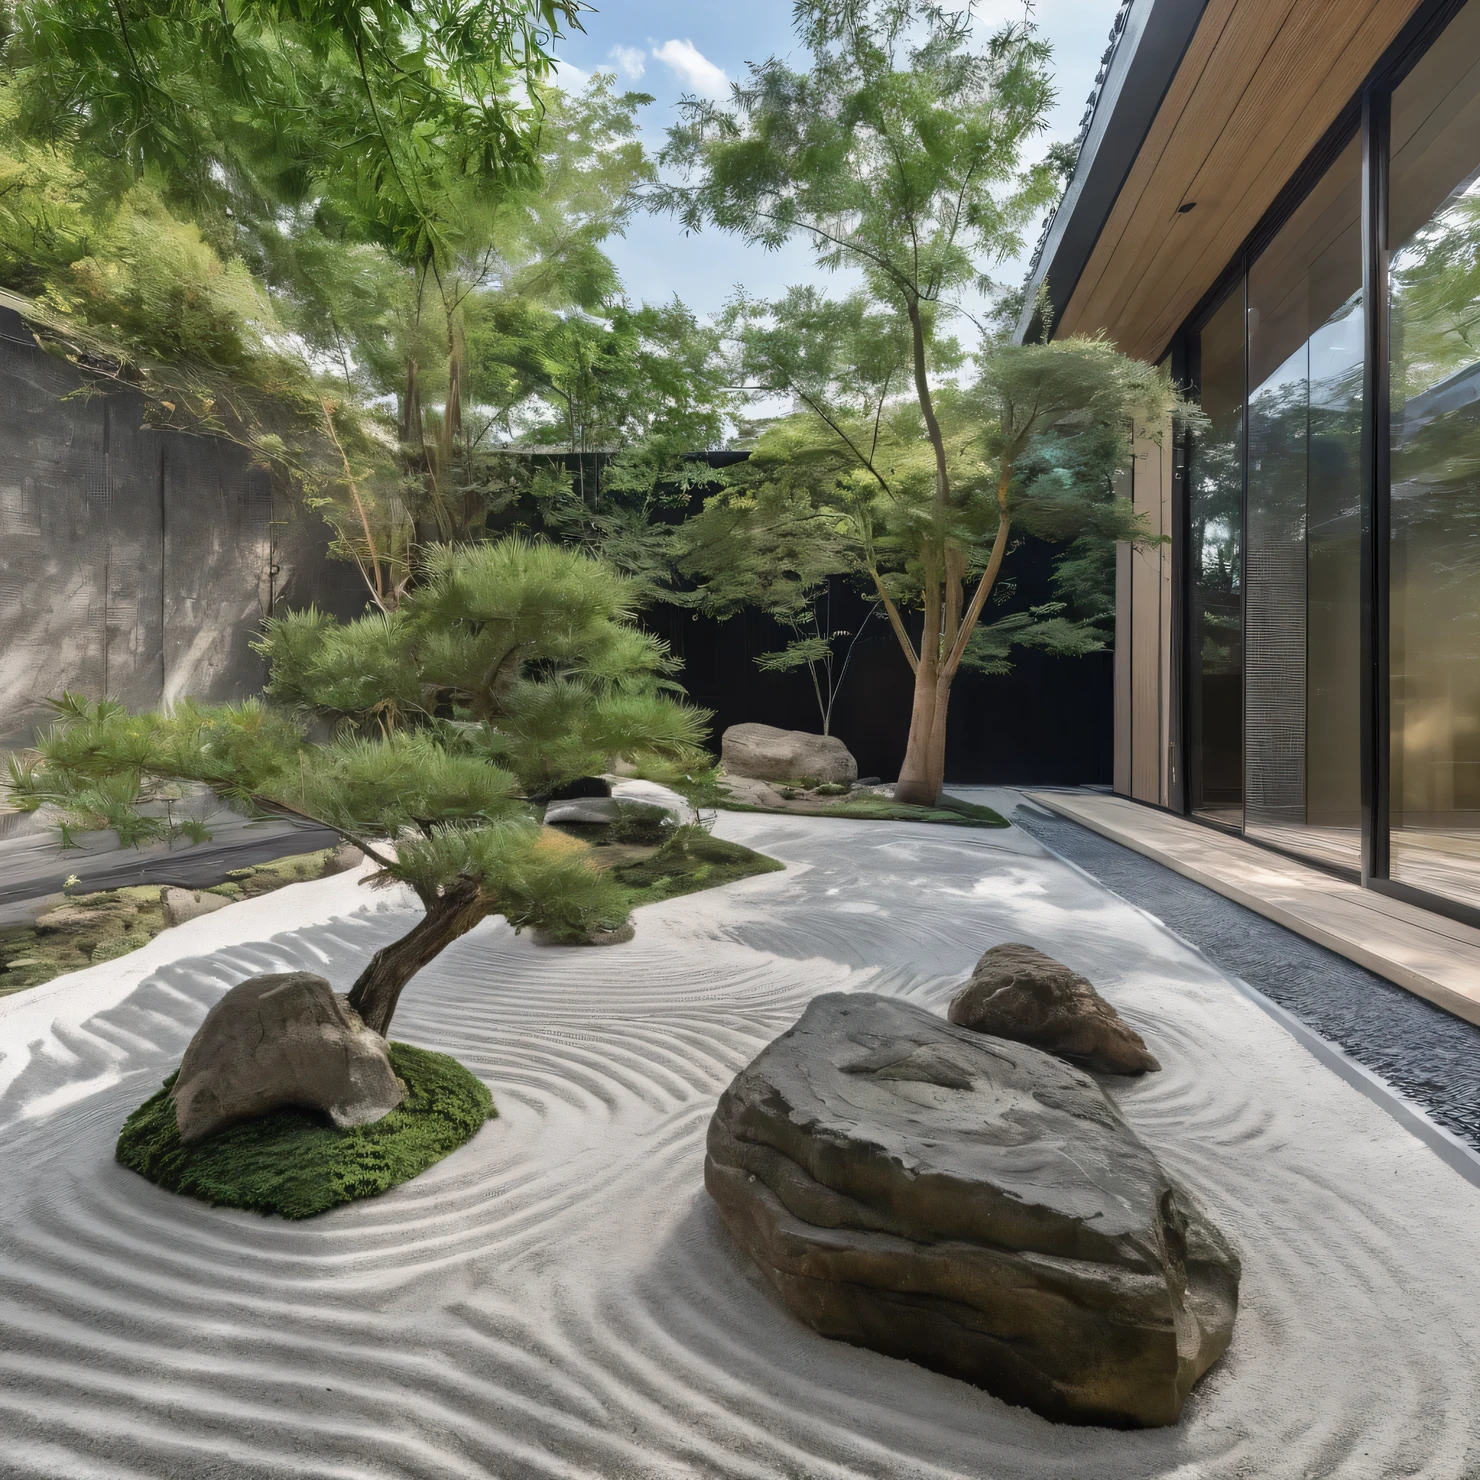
(1017, 992)
(278, 1041)
(973, 1205)
(769, 754)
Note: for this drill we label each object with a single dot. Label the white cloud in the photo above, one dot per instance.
(630, 60)
(570, 77)
(693, 68)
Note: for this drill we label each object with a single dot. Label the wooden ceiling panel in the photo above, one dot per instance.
(1281, 117)
(1261, 83)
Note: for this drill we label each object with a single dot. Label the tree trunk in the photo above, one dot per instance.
(924, 757)
(375, 995)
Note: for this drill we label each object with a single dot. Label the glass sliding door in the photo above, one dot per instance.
(1434, 391)
(1215, 573)
(1302, 751)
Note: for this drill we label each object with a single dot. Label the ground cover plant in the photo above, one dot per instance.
(687, 860)
(84, 929)
(872, 807)
(292, 1164)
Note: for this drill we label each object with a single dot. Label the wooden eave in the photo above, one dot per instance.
(1259, 86)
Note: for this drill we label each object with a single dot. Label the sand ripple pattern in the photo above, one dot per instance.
(559, 1299)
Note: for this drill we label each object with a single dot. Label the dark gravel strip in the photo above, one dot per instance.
(1425, 1053)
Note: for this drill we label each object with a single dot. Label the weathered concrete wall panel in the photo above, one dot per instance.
(133, 562)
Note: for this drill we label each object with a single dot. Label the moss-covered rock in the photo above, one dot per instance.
(295, 1164)
(690, 860)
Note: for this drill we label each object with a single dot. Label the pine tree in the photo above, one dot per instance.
(515, 668)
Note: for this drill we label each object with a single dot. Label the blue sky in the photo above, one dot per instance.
(668, 48)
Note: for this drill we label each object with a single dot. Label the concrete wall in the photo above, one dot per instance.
(134, 563)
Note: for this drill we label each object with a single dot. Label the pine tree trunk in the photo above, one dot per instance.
(377, 991)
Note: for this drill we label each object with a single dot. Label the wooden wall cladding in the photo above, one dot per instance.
(1143, 630)
(1261, 83)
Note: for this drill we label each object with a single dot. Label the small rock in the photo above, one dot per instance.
(768, 754)
(278, 1041)
(868, 781)
(750, 792)
(973, 1205)
(345, 857)
(654, 794)
(1019, 993)
(589, 810)
(80, 919)
(180, 905)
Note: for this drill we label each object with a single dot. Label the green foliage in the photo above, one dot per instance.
(690, 860)
(849, 488)
(515, 667)
(233, 105)
(881, 809)
(897, 153)
(294, 1165)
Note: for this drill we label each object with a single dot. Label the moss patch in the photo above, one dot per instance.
(293, 1164)
(84, 929)
(871, 808)
(690, 860)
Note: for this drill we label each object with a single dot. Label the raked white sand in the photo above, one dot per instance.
(559, 1298)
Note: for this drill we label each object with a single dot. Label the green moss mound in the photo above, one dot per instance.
(948, 811)
(293, 1164)
(690, 860)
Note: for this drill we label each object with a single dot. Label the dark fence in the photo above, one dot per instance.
(1048, 722)
(133, 562)
(139, 563)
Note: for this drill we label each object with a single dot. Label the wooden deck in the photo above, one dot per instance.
(1431, 955)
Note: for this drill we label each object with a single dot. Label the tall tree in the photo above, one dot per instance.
(898, 156)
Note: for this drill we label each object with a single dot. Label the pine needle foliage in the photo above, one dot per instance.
(514, 669)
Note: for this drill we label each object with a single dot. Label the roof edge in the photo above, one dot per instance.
(1147, 44)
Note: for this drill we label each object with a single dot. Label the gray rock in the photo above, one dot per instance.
(345, 857)
(1019, 993)
(180, 905)
(590, 810)
(278, 1041)
(652, 794)
(973, 1205)
(751, 793)
(769, 754)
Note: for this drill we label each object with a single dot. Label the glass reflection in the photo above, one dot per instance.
(1301, 615)
(1215, 521)
(1434, 385)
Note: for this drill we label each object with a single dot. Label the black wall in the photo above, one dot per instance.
(1048, 722)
